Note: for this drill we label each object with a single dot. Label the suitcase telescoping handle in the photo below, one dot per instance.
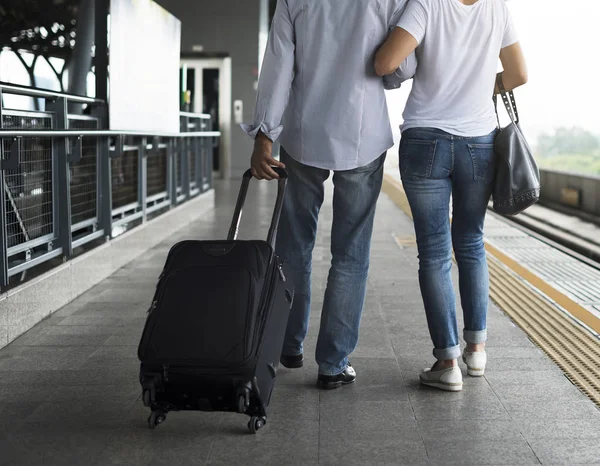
(237, 216)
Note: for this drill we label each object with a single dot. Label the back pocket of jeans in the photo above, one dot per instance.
(483, 158)
(416, 158)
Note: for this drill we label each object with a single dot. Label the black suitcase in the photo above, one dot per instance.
(214, 333)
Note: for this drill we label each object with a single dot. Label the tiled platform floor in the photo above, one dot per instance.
(69, 391)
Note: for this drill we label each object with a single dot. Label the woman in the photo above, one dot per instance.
(447, 151)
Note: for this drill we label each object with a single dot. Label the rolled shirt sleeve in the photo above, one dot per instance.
(276, 77)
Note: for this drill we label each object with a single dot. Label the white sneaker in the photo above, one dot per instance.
(475, 363)
(448, 379)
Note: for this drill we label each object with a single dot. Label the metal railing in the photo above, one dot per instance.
(66, 182)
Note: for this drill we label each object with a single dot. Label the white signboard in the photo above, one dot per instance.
(145, 42)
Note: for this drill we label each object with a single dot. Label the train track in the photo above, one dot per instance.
(569, 242)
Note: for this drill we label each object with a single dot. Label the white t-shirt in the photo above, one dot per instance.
(459, 48)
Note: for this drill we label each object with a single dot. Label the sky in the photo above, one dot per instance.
(561, 42)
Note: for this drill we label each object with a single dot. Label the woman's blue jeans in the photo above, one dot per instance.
(435, 167)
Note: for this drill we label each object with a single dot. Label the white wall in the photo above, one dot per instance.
(145, 43)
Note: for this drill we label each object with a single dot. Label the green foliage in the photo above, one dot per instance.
(577, 163)
(569, 149)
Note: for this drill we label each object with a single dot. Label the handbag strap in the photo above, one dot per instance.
(510, 105)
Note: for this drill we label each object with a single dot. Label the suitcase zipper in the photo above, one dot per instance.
(265, 305)
(281, 274)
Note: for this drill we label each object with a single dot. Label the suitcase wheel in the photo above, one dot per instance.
(147, 398)
(256, 423)
(241, 404)
(156, 418)
(243, 400)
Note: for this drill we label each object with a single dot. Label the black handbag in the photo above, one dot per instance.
(517, 184)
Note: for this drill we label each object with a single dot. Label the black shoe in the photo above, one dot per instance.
(292, 362)
(329, 382)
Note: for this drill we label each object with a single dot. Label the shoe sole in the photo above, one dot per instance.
(444, 386)
(332, 385)
(294, 365)
(474, 372)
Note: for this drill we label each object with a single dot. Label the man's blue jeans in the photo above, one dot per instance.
(354, 201)
(436, 165)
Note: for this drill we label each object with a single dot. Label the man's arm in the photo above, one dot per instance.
(273, 91)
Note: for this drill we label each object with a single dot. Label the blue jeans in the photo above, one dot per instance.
(354, 200)
(436, 165)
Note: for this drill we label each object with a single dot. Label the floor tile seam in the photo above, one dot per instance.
(514, 422)
(115, 435)
(210, 448)
(319, 431)
(386, 330)
(214, 438)
(61, 346)
(380, 308)
(530, 446)
(420, 433)
(410, 401)
(59, 324)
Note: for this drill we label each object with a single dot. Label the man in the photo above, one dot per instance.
(319, 95)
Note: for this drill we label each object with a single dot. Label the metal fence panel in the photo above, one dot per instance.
(157, 173)
(28, 189)
(124, 171)
(177, 168)
(193, 163)
(57, 198)
(84, 175)
(206, 154)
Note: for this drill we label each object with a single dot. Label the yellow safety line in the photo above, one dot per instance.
(568, 344)
(574, 308)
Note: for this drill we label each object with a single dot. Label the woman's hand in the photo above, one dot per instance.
(398, 46)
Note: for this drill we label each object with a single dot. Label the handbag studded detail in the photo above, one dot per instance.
(517, 185)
